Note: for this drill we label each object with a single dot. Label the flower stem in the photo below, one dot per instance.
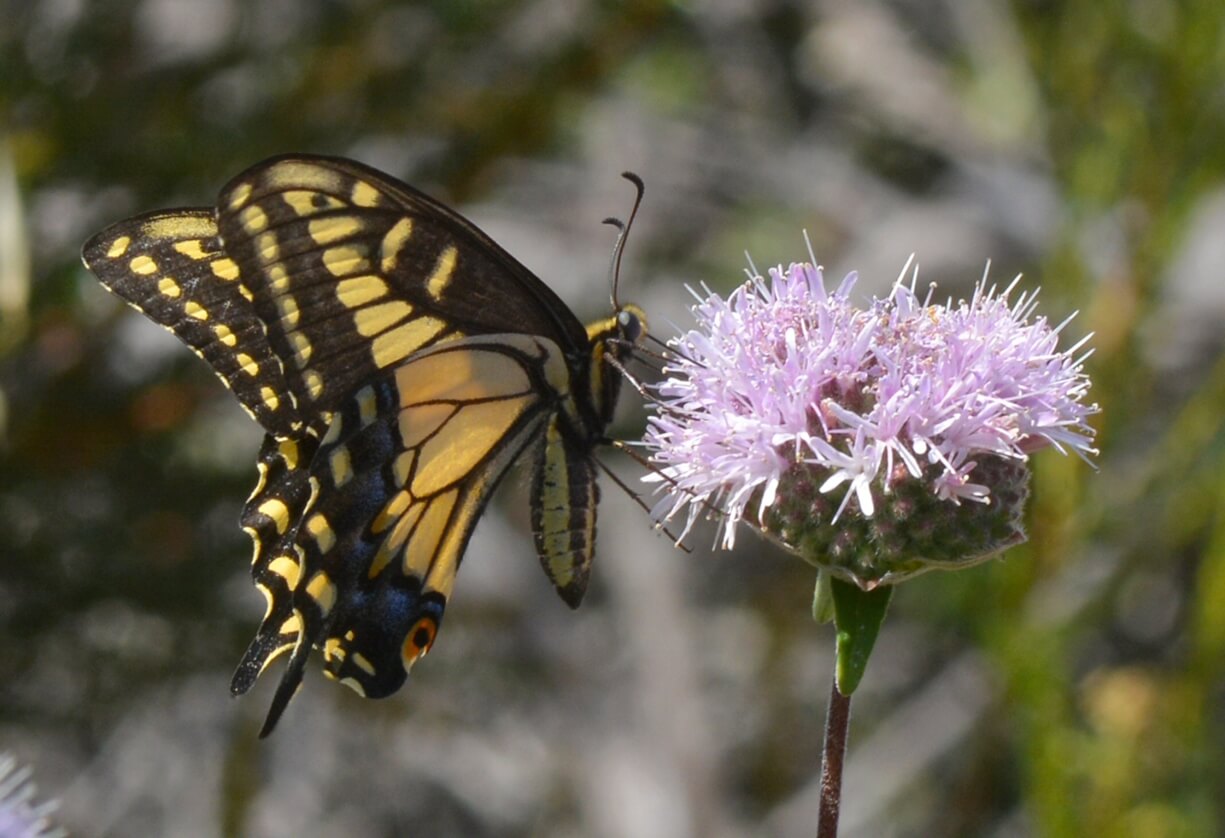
(837, 722)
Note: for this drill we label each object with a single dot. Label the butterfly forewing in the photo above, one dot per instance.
(171, 266)
(353, 273)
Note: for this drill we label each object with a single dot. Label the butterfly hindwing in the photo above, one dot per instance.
(270, 517)
(400, 478)
(171, 266)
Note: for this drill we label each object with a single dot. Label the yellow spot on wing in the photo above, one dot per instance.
(333, 649)
(194, 309)
(301, 348)
(278, 512)
(291, 626)
(253, 219)
(334, 428)
(262, 470)
(363, 663)
(346, 259)
(302, 173)
(185, 226)
(444, 269)
(372, 320)
(279, 280)
(309, 202)
(118, 247)
(393, 242)
(287, 569)
(268, 248)
(289, 311)
(271, 400)
(268, 598)
(169, 287)
(300, 201)
(335, 228)
(317, 525)
(241, 194)
(398, 343)
(360, 290)
(143, 265)
(274, 654)
(341, 465)
(224, 268)
(463, 442)
(288, 450)
(367, 407)
(192, 249)
(247, 363)
(314, 383)
(364, 194)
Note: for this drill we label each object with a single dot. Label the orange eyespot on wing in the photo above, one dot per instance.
(418, 641)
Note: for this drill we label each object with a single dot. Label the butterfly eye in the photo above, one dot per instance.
(629, 323)
(419, 640)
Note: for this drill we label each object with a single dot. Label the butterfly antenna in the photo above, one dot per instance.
(634, 495)
(614, 269)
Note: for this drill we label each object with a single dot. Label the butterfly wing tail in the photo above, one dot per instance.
(291, 681)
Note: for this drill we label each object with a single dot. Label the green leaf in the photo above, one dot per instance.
(858, 615)
(822, 600)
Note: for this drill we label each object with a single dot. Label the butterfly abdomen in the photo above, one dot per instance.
(564, 497)
(565, 494)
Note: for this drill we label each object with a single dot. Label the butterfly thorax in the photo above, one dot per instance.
(611, 341)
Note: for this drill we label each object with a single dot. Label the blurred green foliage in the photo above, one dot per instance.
(1077, 141)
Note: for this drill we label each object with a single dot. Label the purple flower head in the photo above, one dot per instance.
(20, 817)
(907, 423)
